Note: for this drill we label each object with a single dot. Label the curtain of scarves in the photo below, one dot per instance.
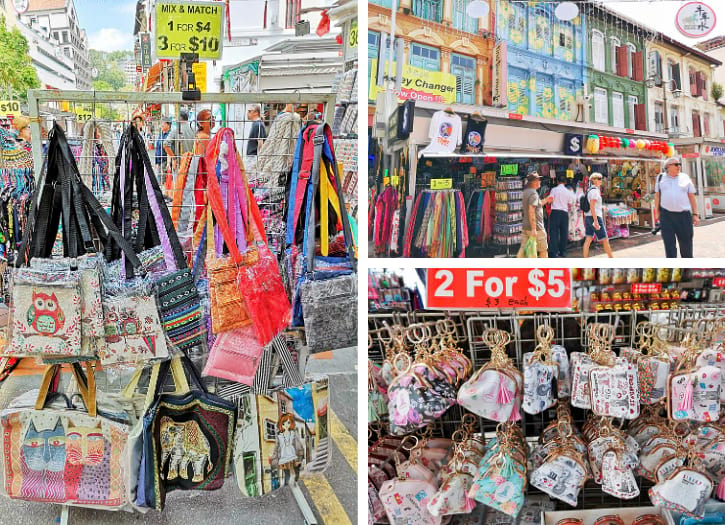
(437, 226)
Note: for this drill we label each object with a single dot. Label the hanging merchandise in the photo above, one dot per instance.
(474, 139)
(386, 207)
(541, 374)
(480, 216)
(445, 132)
(437, 225)
(96, 162)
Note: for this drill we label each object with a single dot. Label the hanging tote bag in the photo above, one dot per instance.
(186, 440)
(57, 452)
(328, 298)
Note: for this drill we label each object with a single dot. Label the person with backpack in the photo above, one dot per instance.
(676, 209)
(591, 205)
(562, 200)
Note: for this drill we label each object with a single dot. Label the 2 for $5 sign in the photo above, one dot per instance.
(484, 288)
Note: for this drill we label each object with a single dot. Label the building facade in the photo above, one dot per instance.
(55, 70)
(438, 36)
(679, 102)
(59, 18)
(615, 70)
(545, 61)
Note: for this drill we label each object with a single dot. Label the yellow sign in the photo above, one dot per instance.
(394, 180)
(9, 107)
(352, 36)
(199, 70)
(189, 27)
(569, 174)
(441, 184)
(386, 181)
(419, 84)
(83, 115)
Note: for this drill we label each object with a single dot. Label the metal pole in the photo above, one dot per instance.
(389, 84)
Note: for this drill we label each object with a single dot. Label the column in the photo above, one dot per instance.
(448, 12)
(483, 85)
(445, 60)
(406, 50)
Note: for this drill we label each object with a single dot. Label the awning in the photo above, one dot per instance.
(153, 75)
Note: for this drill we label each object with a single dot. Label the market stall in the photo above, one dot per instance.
(509, 399)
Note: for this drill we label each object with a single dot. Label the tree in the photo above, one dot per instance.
(17, 74)
(102, 85)
(716, 91)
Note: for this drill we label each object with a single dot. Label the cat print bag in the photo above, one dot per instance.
(541, 373)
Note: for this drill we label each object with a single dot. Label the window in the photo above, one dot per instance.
(383, 3)
(632, 102)
(518, 90)
(601, 108)
(674, 73)
(464, 68)
(614, 43)
(654, 67)
(696, 128)
(598, 55)
(461, 20)
(617, 110)
(540, 24)
(564, 41)
(631, 50)
(693, 82)
(659, 117)
(545, 96)
(674, 119)
(270, 430)
(65, 37)
(567, 100)
(428, 9)
(292, 13)
(706, 122)
(512, 27)
(425, 57)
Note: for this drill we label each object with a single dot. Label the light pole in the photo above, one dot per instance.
(676, 92)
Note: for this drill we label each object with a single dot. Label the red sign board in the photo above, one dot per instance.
(718, 282)
(516, 116)
(630, 131)
(646, 288)
(489, 160)
(491, 288)
(690, 155)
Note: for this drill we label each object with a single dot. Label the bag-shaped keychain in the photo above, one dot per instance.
(494, 391)
(581, 364)
(614, 389)
(714, 357)
(686, 491)
(617, 475)
(406, 502)
(541, 373)
(695, 394)
(560, 356)
(457, 477)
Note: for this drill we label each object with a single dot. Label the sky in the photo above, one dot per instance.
(109, 23)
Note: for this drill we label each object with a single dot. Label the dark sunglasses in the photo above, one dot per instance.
(673, 164)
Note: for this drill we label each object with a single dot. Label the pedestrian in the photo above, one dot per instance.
(161, 157)
(533, 213)
(562, 201)
(676, 209)
(180, 140)
(256, 136)
(138, 122)
(594, 217)
(204, 125)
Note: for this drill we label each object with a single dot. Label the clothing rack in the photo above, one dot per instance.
(437, 226)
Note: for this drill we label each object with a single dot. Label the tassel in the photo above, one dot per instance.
(686, 403)
(507, 469)
(515, 414)
(504, 396)
(720, 491)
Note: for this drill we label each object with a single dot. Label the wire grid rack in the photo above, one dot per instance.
(570, 332)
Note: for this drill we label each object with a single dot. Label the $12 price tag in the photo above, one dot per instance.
(488, 288)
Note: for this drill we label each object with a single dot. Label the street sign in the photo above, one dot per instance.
(145, 51)
(189, 27)
(9, 107)
(21, 6)
(492, 288)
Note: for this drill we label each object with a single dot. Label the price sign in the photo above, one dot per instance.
(189, 27)
(386, 181)
(645, 288)
(718, 282)
(84, 115)
(199, 70)
(352, 35)
(441, 184)
(9, 107)
(490, 288)
(569, 174)
(509, 169)
(394, 180)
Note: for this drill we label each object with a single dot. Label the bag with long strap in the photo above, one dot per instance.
(56, 452)
(179, 303)
(186, 440)
(328, 293)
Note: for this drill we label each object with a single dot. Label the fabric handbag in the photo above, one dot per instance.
(58, 453)
(185, 441)
(282, 437)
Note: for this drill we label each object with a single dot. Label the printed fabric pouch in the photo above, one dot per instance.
(562, 475)
(452, 496)
(376, 511)
(494, 391)
(653, 373)
(651, 456)
(541, 374)
(502, 486)
(560, 356)
(614, 389)
(581, 365)
(617, 476)
(686, 491)
(714, 357)
(612, 440)
(406, 502)
(695, 394)
(57, 452)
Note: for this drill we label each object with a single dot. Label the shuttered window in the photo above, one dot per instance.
(674, 119)
(706, 122)
(464, 68)
(617, 110)
(518, 91)
(567, 100)
(428, 10)
(632, 102)
(654, 67)
(696, 129)
(461, 20)
(564, 41)
(598, 54)
(601, 109)
(674, 71)
(540, 26)
(630, 59)
(614, 43)
(545, 96)
(659, 117)
(425, 57)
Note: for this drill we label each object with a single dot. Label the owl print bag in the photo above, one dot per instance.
(63, 453)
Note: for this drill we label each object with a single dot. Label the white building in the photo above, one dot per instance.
(129, 72)
(55, 70)
(60, 19)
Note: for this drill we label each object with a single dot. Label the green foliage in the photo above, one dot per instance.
(17, 74)
(102, 85)
(716, 91)
(109, 67)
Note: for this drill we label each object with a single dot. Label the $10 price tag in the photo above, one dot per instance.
(480, 289)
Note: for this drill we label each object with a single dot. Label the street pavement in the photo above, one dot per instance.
(332, 496)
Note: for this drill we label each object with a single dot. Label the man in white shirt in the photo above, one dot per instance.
(676, 209)
(563, 199)
(594, 219)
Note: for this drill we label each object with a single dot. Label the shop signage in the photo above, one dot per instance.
(480, 289)
(695, 19)
(718, 282)
(83, 115)
(573, 143)
(199, 70)
(145, 39)
(715, 151)
(630, 131)
(499, 75)
(418, 84)
(690, 155)
(394, 180)
(189, 27)
(509, 169)
(441, 184)
(646, 288)
(516, 116)
(9, 107)
(570, 175)
(406, 117)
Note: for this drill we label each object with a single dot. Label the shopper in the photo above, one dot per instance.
(204, 125)
(676, 209)
(562, 200)
(534, 216)
(256, 134)
(594, 216)
(180, 140)
(161, 156)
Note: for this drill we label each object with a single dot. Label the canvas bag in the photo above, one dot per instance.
(294, 443)
(60, 453)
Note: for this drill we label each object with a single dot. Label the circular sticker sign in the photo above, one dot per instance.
(21, 6)
(695, 19)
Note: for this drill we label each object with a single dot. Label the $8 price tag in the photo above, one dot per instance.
(517, 288)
